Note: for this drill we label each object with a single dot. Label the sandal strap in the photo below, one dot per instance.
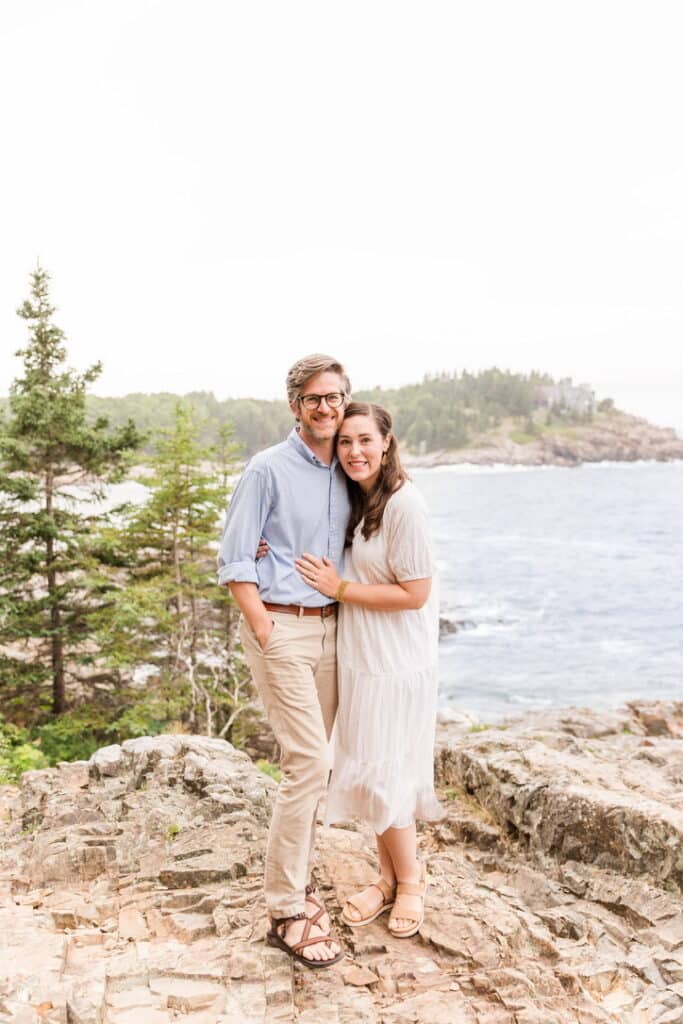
(414, 888)
(408, 901)
(320, 912)
(306, 940)
(277, 921)
(298, 946)
(410, 889)
(359, 903)
(384, 887)
(312, 898)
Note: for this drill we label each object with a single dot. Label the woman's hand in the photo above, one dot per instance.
(319, 573)
(262, 549)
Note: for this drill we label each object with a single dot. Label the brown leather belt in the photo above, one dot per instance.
(298, 609)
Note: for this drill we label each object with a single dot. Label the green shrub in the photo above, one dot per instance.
(18, 754)
(147, 717)
(268, 768)
(75, 735)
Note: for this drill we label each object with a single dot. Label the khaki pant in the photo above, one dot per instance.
(296, 678)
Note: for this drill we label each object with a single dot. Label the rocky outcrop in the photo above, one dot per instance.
(448, 627)
(613, 437)
(130, 886)
(621, 808)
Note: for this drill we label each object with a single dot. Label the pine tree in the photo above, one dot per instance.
(53, 465)
(169, 612)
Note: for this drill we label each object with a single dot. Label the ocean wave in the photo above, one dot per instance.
(474, 468)
(529, 699)
(468, 468)
(484, 629)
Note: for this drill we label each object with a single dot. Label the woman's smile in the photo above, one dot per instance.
(360, 448)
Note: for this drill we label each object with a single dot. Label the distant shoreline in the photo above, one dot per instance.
(411, 463)
(616, 437)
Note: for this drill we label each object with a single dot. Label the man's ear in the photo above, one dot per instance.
(294, 406)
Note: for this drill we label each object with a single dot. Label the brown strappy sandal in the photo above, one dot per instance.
(275, 938)
(357, 901)
(312, 897)
(410, 903)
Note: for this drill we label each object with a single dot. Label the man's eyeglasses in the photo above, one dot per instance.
(333, 400)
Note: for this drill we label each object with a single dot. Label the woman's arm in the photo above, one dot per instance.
(321, 575)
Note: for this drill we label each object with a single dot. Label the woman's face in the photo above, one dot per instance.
(360, 448)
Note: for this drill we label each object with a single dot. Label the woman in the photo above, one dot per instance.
(387, 667)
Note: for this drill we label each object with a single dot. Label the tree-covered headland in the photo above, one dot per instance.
(443, 412)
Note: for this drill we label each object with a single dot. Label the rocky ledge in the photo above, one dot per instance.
(130, 886)
(613, 437)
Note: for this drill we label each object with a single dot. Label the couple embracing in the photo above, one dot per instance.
(340, 629)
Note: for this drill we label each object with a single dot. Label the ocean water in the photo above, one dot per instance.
(572, 580)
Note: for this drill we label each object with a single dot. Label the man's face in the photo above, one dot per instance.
(320, 424)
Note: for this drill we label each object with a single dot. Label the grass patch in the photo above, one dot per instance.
(570, 433)
(454, 794)
(268, 768)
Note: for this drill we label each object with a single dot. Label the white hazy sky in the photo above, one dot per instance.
(218, 188)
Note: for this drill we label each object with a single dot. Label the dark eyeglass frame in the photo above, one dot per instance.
(337, 396)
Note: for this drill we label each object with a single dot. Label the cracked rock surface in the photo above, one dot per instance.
(130, 886)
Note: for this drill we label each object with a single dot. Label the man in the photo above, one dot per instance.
(294, 496)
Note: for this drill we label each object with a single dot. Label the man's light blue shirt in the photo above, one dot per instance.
(290, 497)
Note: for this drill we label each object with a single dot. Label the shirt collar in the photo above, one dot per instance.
(302, 448)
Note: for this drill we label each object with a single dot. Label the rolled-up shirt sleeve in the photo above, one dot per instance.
(247, 513)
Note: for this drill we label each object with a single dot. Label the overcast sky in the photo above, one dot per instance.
(218, 188)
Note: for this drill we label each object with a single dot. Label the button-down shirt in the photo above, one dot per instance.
(299, 504)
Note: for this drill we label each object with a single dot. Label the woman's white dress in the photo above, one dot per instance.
(387, 673)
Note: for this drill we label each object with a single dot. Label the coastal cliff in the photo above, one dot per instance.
(609, 437)
(130, 886)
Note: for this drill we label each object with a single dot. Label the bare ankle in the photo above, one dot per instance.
(411, 875)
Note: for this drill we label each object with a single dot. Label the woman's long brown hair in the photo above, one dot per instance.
(370, 507)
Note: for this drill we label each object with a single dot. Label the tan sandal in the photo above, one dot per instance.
(410, 903)
(360, 903)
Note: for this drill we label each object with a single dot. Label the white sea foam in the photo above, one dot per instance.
(530, 700)
(471, 468)
(484, 629)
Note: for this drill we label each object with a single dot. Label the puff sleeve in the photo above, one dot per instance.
(408, 536)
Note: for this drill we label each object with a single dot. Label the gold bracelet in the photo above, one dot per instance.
(339, 596)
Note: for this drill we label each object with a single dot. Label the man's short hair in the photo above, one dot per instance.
(311, 366)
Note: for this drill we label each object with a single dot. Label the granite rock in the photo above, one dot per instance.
(130, 886)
